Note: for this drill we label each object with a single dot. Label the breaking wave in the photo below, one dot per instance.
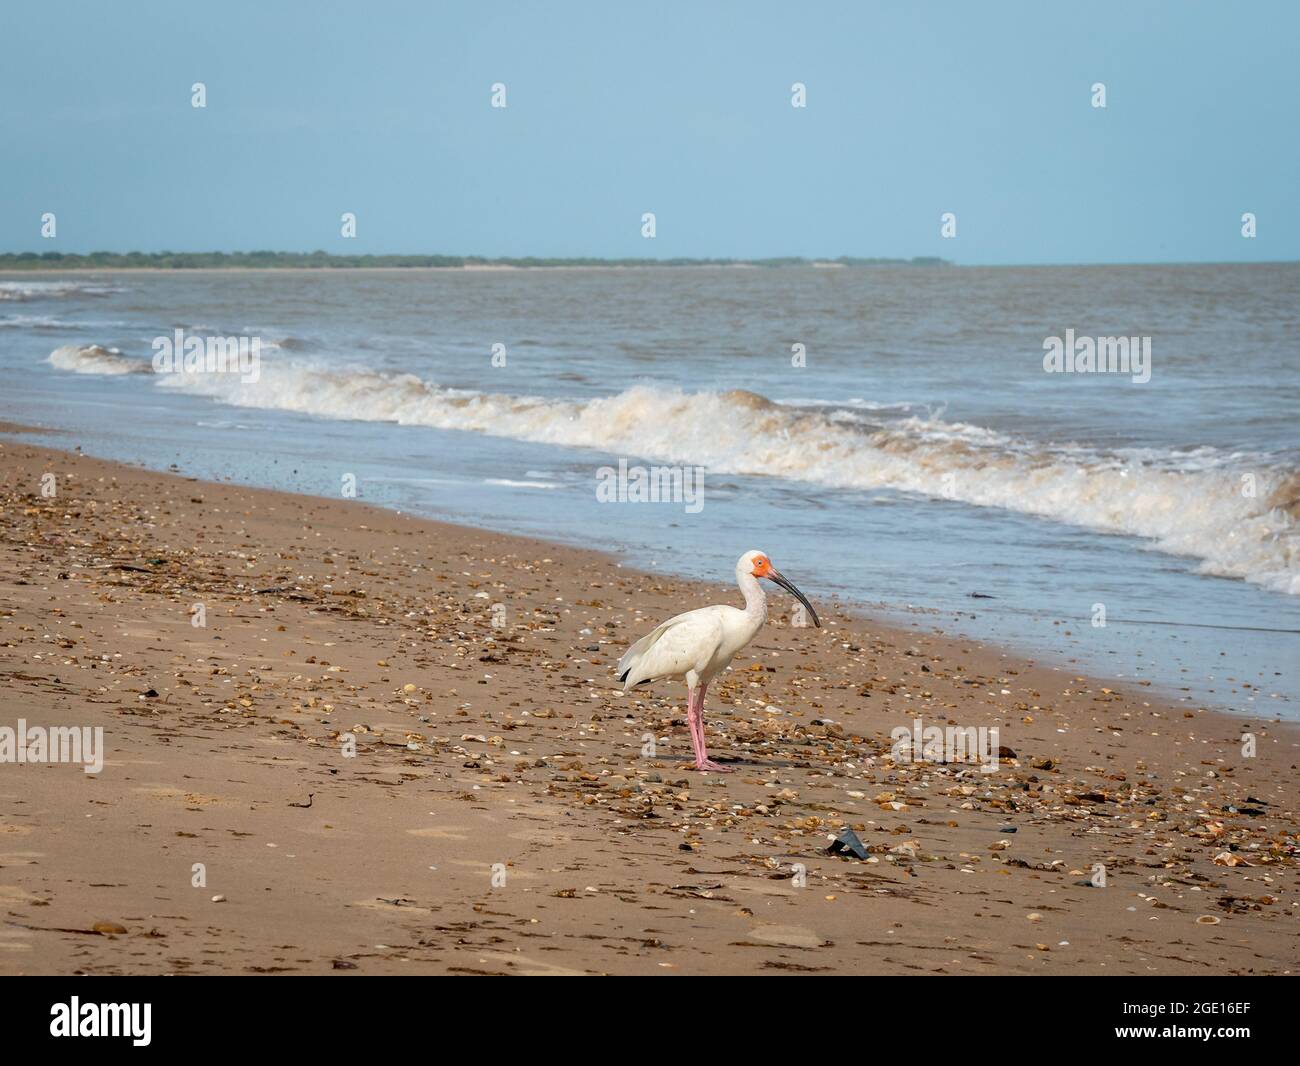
(1237, 513)
(96, 359)
(49, 322)
(19, 291)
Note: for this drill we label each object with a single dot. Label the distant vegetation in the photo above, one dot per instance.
(326, 261)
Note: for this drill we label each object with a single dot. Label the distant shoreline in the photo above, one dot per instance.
(56, 261)
(210, 263)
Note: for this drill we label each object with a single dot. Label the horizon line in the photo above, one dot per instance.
(408, 260)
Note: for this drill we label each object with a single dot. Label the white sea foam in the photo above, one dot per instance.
(1188, 504)
(39, 322)
(36, 290)
(34, 322)
(507, 483)
(96, 359)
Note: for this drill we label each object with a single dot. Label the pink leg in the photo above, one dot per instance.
(693, 702)
(695, 719)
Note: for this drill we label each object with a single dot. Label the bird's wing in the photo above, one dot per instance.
(638, 649)
(682, 643)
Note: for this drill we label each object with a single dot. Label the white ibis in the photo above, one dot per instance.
(698, 645)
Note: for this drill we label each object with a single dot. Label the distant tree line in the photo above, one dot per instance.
(328, 260)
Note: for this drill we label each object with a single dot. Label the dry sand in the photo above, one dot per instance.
(510, 748)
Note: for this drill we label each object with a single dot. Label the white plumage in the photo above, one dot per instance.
(698, 645)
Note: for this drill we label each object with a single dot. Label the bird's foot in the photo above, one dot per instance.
(704, 765)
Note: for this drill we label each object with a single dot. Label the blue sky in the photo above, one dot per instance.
(682, 109)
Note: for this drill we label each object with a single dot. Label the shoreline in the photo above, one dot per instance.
(927, 621)
(485, 746)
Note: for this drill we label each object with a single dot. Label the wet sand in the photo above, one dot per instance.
(503, 813)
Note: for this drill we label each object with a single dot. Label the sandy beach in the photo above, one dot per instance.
(499, 815)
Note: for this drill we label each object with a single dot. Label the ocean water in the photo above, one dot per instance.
(917, 460)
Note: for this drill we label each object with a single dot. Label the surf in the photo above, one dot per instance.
(1193, 504)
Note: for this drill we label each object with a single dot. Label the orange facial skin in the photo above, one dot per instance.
(762, 566)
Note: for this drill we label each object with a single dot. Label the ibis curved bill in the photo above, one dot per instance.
(698, 645)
